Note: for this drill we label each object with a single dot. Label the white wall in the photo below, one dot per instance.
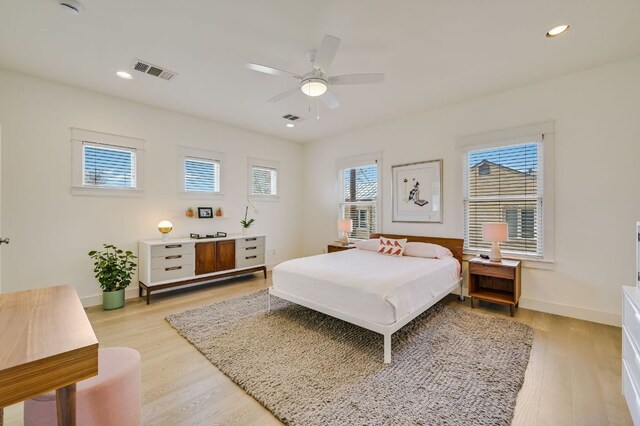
(597, 149)
(51, 230)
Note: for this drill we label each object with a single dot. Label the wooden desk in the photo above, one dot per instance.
(47, 344)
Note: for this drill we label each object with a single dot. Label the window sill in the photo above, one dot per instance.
(106, 192)
(527, 262)
(195, 195)
(264, 197)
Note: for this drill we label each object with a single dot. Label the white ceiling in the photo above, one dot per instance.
(432, 51)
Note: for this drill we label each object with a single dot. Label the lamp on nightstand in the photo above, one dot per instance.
(345, 226)
(496, 233)
(165, 227)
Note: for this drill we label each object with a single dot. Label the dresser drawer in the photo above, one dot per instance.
(631, 357)
(249, 260)
(630, 394)
(249, 251)
(249, 242)
(631, 320)
(171, 260)
(497, 270)
(171, 249)
(172, 273)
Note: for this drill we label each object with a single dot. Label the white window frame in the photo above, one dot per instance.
(267, 164)
(80, 137)
(357, 161)
(185, 152)
(542, 133)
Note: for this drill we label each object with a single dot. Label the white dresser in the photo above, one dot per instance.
(631, 350)
(184, 261)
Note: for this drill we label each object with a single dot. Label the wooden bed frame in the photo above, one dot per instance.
(453, 244)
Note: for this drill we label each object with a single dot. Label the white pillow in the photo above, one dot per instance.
(428, 250)
(391, 247)
(369, 245)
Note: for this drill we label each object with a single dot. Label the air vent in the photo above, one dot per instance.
(153, 70)
(291, 117)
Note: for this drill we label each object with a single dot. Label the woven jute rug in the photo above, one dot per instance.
(450, 366)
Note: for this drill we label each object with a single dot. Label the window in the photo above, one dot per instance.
(505, 184)
(263, 179)
(108, 166)
(105, 164)
(201, 175)
(359, 196)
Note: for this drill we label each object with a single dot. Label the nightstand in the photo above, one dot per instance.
(334, 247)
(497, 282)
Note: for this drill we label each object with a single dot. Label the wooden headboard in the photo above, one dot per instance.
(453, 244)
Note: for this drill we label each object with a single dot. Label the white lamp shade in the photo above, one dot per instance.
(495, 232)
(165, 226)
(345, 225)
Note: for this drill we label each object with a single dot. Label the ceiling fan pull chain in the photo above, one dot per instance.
(318, 108)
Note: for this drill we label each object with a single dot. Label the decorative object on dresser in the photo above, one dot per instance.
(417, 192)
(179, 262)
(332, 248)
(631, 350)
(218, 213)
(495, 282)
(205, 212)
(190, 212)
(345, 226)
(113, 268)
(496, 233)
(246, 224)
(165, 227)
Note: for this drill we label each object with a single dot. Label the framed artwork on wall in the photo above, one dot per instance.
(205, 212)
(417, 192)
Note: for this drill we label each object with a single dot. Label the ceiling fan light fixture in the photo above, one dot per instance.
(314, 87)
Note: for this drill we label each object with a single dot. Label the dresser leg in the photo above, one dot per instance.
(264, 270)
(148, 296)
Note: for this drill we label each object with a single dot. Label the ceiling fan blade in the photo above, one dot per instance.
(330, 100)
(283, 95)
(357, 79)
(270, 70)
(327, 52)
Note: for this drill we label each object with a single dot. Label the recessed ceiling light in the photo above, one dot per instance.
(124, 74)
(72, 6)
(291, 125)
(558, 31)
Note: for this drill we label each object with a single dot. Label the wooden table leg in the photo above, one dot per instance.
(66, 404)
(512, 310)
(1, 416)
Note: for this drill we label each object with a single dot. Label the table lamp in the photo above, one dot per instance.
(345, 226)
(165, 227)
(496, 233)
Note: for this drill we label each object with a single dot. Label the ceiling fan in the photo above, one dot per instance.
(316, 82)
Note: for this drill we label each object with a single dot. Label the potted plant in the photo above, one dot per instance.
(113, 268)
(246, 224)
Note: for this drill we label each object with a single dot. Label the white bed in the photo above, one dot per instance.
(374, 291)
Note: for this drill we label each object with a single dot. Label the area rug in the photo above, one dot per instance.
(450, 366)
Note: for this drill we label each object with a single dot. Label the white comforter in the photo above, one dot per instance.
(367, 285)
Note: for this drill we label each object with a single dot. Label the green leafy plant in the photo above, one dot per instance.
(246, 223)
(113, 267)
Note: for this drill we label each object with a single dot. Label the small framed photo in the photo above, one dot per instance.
(417, 192)
(205, 212)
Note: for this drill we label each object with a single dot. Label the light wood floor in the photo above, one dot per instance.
(573, 376)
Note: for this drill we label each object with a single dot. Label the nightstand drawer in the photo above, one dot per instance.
(492, 270)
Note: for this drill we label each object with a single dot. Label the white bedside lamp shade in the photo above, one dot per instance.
(345, 226)
(165, 227)
(496, 233)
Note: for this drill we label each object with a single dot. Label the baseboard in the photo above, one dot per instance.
(601, 317)
(96, 299)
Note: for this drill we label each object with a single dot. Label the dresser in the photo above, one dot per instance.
(179, 262)
(631, 350)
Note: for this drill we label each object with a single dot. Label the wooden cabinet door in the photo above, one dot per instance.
(226, 255)
(205, 258)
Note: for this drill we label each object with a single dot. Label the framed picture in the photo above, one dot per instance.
(417, 192)
(205, 212)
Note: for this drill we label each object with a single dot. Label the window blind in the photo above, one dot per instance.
(264, 180)
(201, 175)
(108, 166)
(359, 199)
(505, 184)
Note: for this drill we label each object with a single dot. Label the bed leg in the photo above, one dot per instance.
(387, 349)
(461, 293)
(268, 302)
